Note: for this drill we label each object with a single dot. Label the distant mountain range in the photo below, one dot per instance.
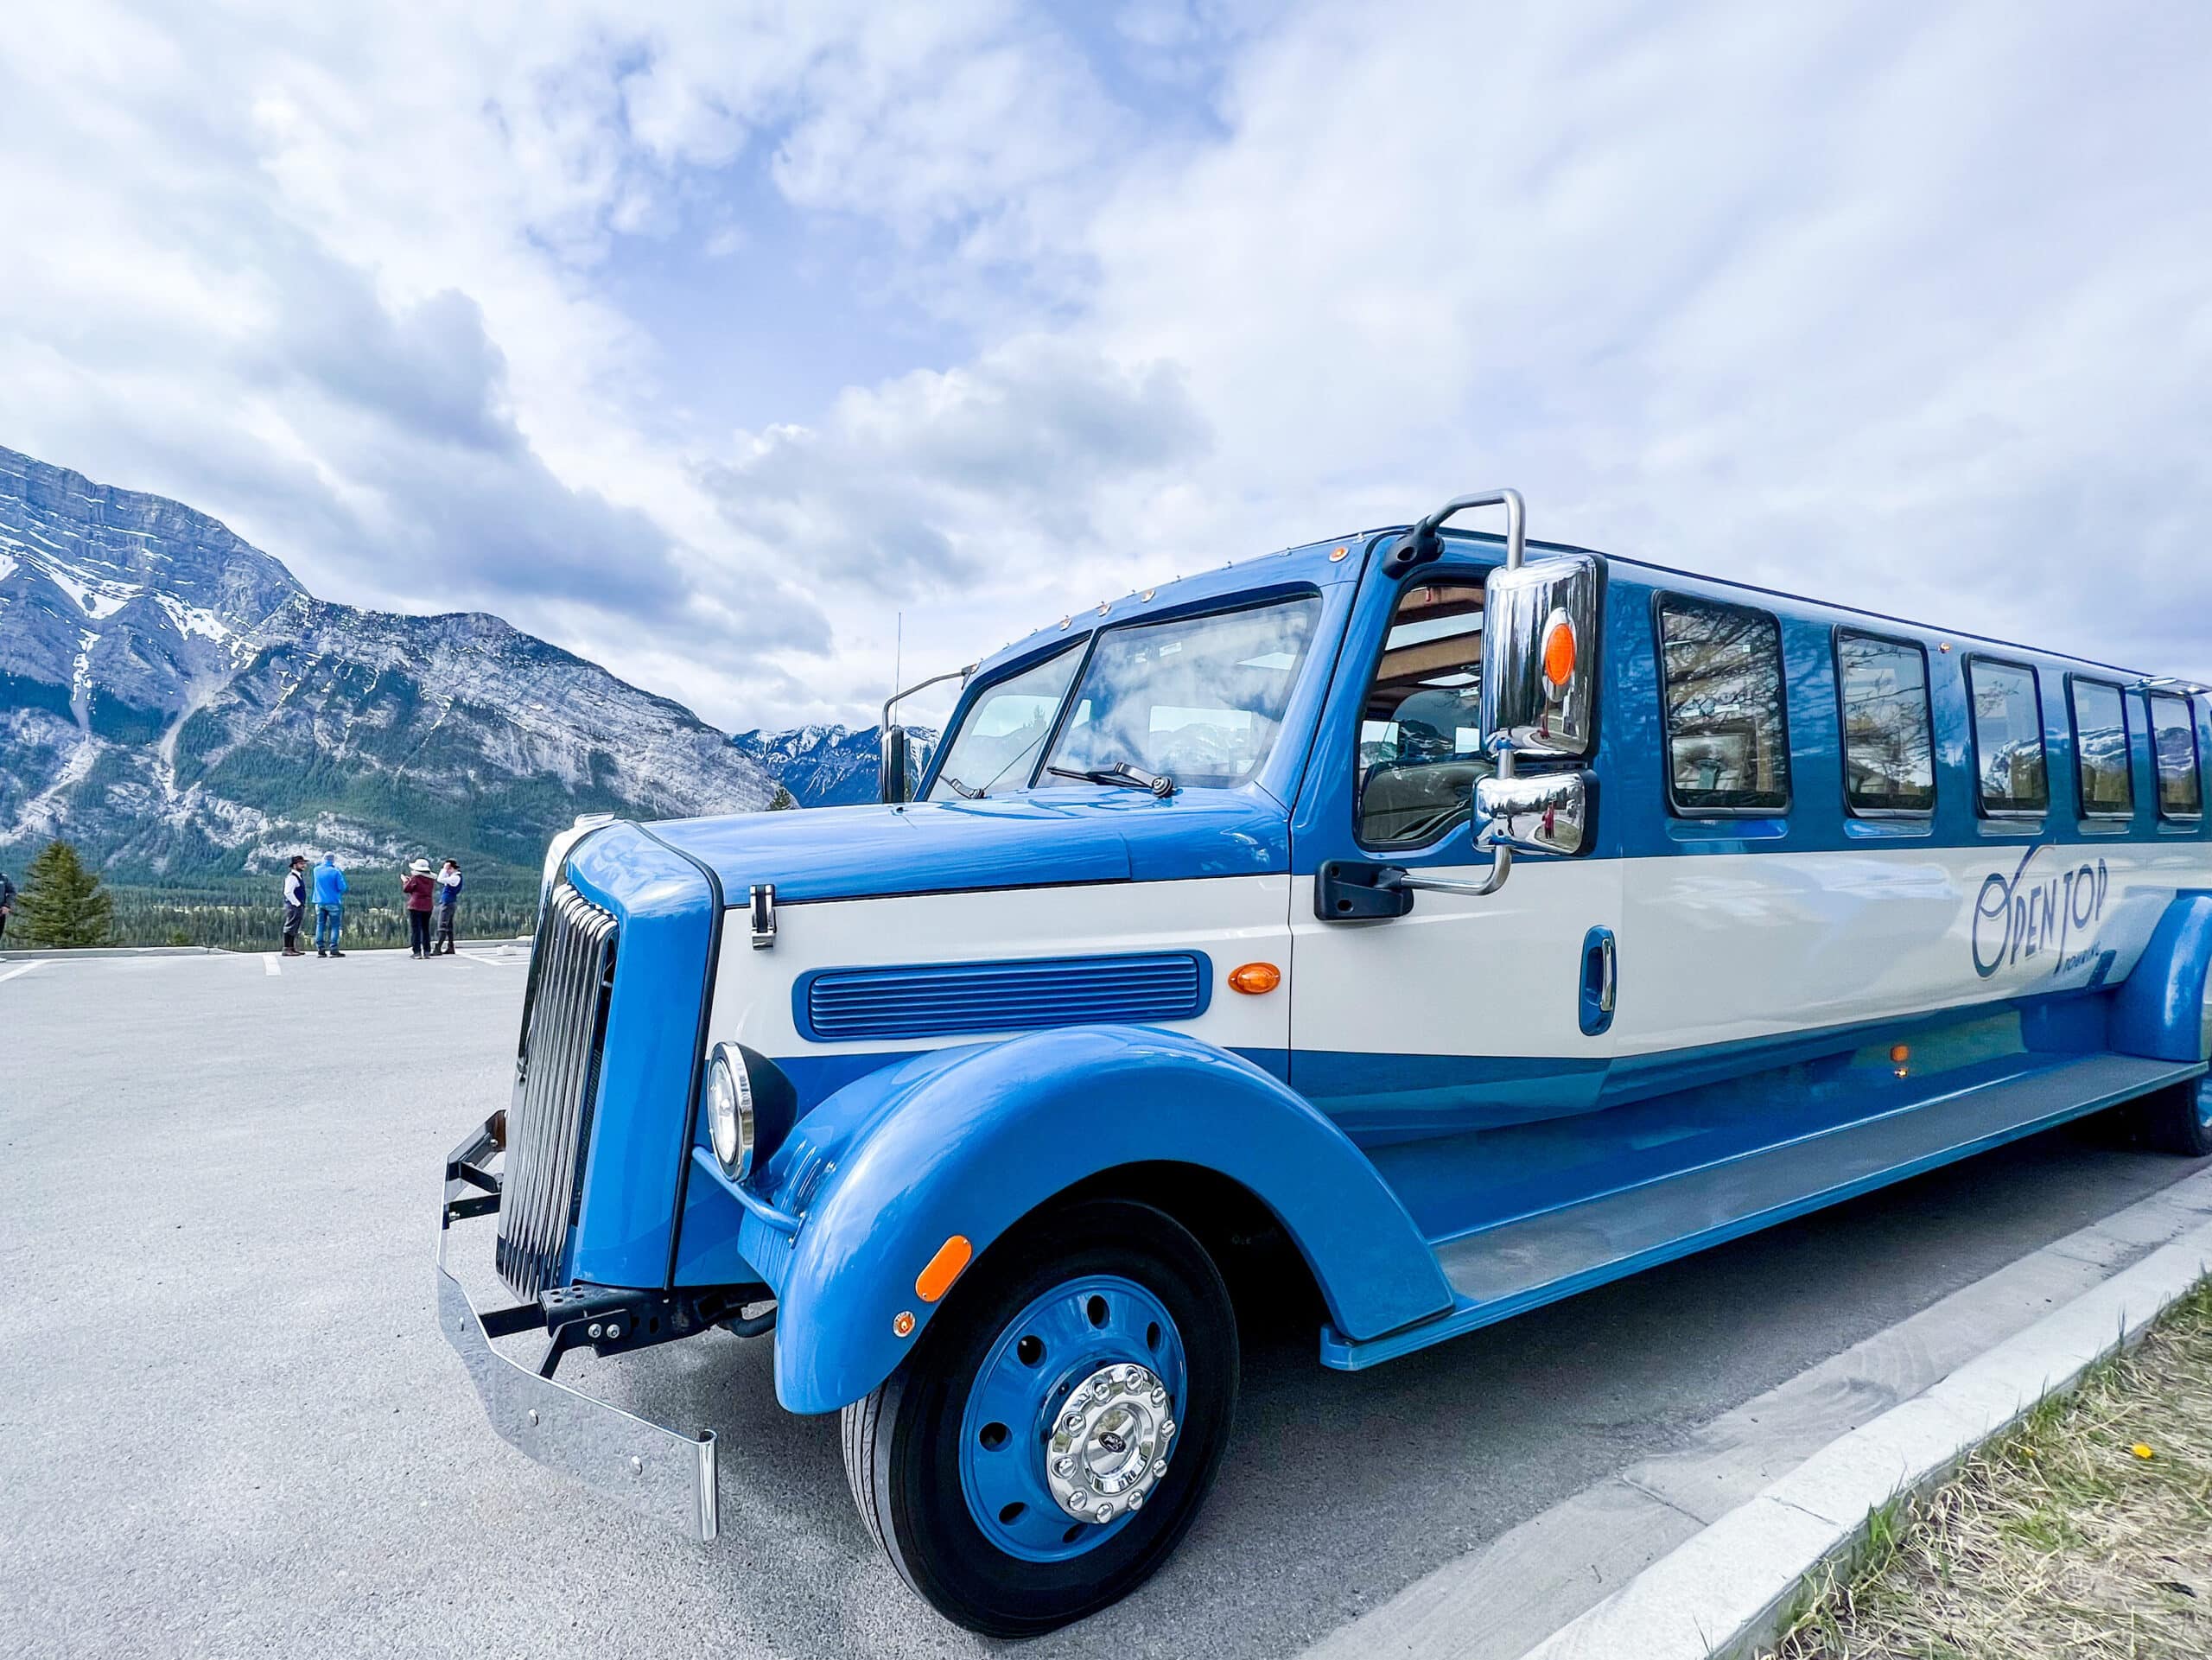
(828, 766)
(173, 701)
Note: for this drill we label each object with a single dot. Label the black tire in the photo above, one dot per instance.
(2173, 1120)
(901, 1444)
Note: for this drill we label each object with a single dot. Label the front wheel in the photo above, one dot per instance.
(1045, 1445)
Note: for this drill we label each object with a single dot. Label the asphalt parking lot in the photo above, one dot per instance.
(229, 1426)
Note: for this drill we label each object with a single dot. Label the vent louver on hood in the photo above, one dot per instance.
(949, 999)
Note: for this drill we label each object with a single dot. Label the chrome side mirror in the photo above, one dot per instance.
(895, 773)
(1548, 812)
(1541, 628)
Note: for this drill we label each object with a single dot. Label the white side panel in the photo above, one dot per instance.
(1721, 947)
(1232, 920)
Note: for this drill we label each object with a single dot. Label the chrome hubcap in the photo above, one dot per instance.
(1109, 1446)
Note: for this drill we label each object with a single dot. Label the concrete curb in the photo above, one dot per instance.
(1734, 1587)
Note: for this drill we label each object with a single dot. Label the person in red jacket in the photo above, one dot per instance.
(419, 885)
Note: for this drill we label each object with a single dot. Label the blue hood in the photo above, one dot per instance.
(1044, 837)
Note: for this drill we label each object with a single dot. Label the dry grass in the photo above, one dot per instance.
(2060, 1541)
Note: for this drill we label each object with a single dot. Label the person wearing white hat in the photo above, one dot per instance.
(420, 887)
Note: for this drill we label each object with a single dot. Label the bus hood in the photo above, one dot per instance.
(1044, 838)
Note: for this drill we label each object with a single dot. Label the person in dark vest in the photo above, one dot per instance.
(296, 903)
(419, 885)
(448, 896)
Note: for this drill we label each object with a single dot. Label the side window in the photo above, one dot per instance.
(2101, 754)
(2173, 742)
(1419, 745)
(1889, 733)
(1727, 738)
(2009, 769)
(1004, 728)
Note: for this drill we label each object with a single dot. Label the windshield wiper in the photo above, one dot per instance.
(1122, 774)
(958, 788)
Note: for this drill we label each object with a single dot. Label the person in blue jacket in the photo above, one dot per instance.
(329, 906)
(449, 895)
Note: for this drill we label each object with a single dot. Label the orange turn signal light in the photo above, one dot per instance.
(1899, 1055)
(941, 1270)
(1559, 653)
(1254, 979)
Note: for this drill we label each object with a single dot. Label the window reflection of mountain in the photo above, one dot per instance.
(2014, 771)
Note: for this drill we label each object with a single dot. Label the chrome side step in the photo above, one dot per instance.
(1500, 1271)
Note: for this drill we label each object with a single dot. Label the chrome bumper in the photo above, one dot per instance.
(667, 1475)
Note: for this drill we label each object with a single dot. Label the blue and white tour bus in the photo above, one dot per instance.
(1454, 924)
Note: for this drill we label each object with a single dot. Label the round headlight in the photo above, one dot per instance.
(729, 1109)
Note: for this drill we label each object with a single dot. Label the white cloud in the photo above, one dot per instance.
(1896, 304)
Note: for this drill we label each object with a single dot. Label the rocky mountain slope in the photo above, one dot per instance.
(827, 765)
(176, 704)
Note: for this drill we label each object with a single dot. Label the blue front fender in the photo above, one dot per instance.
(969, 1141)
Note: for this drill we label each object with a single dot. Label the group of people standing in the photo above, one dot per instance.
(428, 896)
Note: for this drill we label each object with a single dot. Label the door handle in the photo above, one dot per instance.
(1600, 981)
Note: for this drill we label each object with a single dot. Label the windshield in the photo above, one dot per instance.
(999, 740)
(1197, 699)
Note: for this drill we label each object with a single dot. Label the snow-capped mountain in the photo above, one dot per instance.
(827, 765)
(176, 703)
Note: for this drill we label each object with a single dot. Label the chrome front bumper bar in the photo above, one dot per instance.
(667, 1475)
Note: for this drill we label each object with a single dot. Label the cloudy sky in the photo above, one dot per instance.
(708, 345)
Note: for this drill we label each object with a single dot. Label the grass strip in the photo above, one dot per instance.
(2085, 1532)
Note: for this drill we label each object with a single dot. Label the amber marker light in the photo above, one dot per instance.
(902, 1323)
(1559, 653)
(1254, 979)
(941, 1270)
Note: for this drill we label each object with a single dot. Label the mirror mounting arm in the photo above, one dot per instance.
(1420, 546)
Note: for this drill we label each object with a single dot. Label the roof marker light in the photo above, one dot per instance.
(1336, 554)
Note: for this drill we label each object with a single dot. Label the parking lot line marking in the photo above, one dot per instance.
(269, 962)
(17, 974)
(490, 962)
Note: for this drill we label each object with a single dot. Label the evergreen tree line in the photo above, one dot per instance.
(62, 905)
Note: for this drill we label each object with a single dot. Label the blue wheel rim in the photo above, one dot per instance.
(1038, 1357)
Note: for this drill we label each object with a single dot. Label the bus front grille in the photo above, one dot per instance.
(556, 1078)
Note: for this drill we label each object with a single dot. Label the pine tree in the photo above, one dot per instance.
(783, 800)
(63, 905)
